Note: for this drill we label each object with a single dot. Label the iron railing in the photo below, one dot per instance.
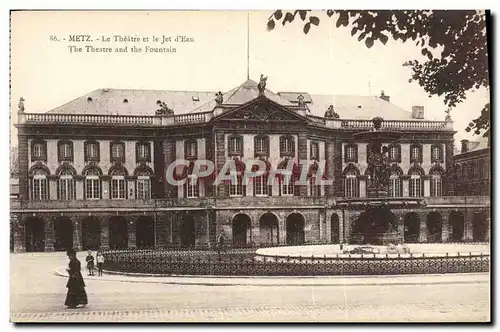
(238, 262)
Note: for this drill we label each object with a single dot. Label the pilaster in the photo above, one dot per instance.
(445, 231)
(330, 167)
(468, 228)
(48, 226)
(282, 231)
(19, 234)
(23, 162)
(104, 233)
(220, 160)
(131, 230)
(423, 230)
(302, 155)
(337, 160)
(77, 234)
(169, 152)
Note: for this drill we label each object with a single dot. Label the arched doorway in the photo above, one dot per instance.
(412, 227)
(241, 230)
(269, 229)
(457, 222)
(34, 234)
(434, 227)
(118, 233)
(480, 227)
(145, 232)
(91, 233)
(188, 231)
(335, 228)
(63, 234)
(295, 234)
(373, 225)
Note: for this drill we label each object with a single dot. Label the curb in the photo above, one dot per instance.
(281, 281)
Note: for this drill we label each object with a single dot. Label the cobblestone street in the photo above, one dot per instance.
(37, 294)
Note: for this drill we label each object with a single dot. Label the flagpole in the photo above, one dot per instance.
(248, 45)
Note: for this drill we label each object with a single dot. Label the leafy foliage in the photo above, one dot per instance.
(453, 42)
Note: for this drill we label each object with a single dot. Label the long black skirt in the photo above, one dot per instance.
(76, 296)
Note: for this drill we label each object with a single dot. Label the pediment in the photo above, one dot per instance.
(263, 110)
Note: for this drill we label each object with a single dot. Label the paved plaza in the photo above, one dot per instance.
(38, 293)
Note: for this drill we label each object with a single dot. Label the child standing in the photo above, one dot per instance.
(90, 263)
(100, 262)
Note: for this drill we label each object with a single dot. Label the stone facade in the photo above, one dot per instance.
(123, 199)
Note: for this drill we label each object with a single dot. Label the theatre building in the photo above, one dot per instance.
(92, 172)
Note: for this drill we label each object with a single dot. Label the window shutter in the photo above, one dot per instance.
(266, 142)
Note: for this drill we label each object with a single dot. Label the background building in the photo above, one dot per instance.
(472, 167)
(92, 171)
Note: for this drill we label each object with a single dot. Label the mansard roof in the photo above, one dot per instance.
(145, 102)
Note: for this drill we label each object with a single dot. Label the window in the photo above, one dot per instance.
(143, 190)
(38, 150)
(143, 151)
(92, 184)
(314, 189)
(39, 188)
(287, 146)
(118, 185)
(118, 152)
(436, 154)
(235, 145)
(65, 150)
(191, 149)
(395, 153)
(436, 182)
(260, 187)
(395, 185)
(287, 187)
(236, 189)
(91, 150)
(415, 154)
(436, 185)
(351, 153)
(192, 187)
(66, 185)
(261, 145)
(415, 184)
(351, 185)
(315, 150)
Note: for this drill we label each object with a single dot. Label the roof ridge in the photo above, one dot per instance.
(158, 90)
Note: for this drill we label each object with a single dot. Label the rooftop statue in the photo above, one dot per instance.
(300, 100)
(164, 110)
(262, 84)
(21, 105)
(219, 98)
(330, 113)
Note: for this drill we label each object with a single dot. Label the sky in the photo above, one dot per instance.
(326, 61)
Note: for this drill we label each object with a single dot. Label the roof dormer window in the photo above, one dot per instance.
(125, 100)
(89, 99)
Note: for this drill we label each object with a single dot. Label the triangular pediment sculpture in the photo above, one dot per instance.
(262, 109)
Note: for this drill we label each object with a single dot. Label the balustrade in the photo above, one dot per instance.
(190, 118)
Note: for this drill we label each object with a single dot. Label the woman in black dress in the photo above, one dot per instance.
(76, 286)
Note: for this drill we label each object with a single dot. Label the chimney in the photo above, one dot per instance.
(384, 97)
(417, 112)
(465, 145)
